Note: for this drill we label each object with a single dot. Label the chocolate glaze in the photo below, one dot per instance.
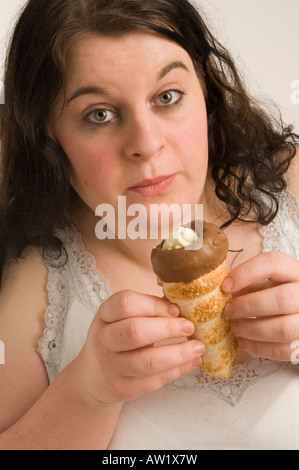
(185, 265)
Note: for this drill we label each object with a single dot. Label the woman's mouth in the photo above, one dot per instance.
(152, 187)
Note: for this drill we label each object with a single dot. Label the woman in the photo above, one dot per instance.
(123, 98)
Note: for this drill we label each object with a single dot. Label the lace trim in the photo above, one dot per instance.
(231, 390)
(283, 232)
(78, 276)
(91, 288)
(60, 297)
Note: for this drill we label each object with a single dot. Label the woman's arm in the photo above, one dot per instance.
(23, 302)
(34, 415)
(65, 417)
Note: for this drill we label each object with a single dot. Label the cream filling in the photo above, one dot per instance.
(180, 238)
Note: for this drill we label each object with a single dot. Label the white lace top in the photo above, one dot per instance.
(256, 408)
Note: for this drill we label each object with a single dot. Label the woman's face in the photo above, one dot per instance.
(134, 123)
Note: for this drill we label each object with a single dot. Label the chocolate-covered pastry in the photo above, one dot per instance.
(191, 272)
(201, 257)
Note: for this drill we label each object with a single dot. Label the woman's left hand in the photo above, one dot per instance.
(264, 309)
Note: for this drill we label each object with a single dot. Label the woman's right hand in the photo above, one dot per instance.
(119, 361)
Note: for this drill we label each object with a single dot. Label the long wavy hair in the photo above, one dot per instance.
(249, 152)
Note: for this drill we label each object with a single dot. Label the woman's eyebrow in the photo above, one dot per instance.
(92, 90)
(87, 90)
(170, 67)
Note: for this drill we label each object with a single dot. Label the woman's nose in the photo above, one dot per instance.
(143, 136)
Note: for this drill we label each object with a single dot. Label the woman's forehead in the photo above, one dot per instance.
(139, 51)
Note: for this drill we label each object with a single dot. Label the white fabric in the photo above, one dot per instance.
(257, 408)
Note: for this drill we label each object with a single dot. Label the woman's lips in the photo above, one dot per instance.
(154, 186)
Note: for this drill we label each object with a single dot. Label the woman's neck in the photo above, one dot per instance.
(137, 251)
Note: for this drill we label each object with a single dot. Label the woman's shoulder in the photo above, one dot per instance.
(28, 269)
(23, 294)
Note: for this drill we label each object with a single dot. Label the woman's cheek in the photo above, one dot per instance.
(193, 143)
(92, 174)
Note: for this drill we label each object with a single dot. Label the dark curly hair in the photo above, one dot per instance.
(249, 152)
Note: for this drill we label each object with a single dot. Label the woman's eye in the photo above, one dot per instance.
(100, 116)
(170, 97)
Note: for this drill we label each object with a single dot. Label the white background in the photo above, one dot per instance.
(263, 36)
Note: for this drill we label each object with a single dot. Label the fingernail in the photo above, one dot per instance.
(187, 327)
(241, 343)
(229, 310)
(199, 348)
(173, 310)
(228, 284)
(235, 327)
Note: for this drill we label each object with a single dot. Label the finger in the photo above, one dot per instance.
(150, 384)
(173, 374)
(283, 299)
(128, 303)
(155, 360)
(274, 351)
(126, 389)
(255, 287)
(282, 329)
(274, 266)
(134, 333)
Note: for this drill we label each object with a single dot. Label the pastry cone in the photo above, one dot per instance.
(200, 297)
(202, 301)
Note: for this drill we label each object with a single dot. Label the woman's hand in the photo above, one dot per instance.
(119, 361)
(264, 309)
